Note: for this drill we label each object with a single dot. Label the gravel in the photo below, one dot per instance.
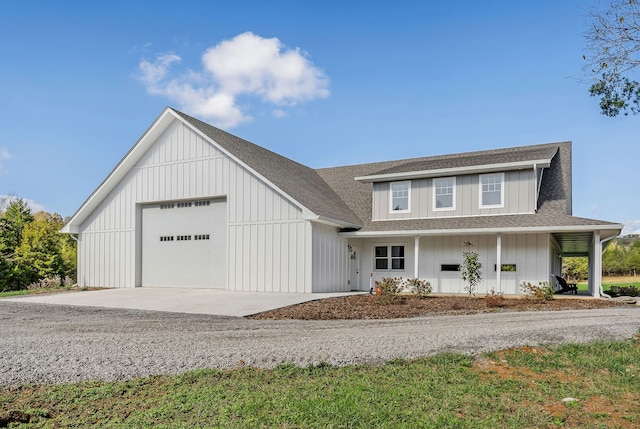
(44, 344)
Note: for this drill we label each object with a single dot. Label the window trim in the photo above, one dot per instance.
(391, 185)
(502, 190)
(453, 194)
(389, 258)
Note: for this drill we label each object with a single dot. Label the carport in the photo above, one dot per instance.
(583, 243)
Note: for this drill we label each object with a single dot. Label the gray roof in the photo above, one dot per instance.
(334, 193)
(554, 202)
(300, 182)
(502, 156)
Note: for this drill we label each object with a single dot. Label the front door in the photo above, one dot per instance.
(354, 268)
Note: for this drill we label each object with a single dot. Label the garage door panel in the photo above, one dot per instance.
(184, 244)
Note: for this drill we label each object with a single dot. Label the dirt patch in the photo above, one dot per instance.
(371, 307)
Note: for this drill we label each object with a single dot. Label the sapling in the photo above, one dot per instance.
(471, 269)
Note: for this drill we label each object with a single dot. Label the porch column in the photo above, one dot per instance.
(416, 254)
(596, 254)
(498, 263)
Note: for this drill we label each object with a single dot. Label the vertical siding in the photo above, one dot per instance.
(518, 197)
(267, 242)
(330, 260)
(530, 252)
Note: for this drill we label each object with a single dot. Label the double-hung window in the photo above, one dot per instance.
(491, 190)
(444, 193)
(389, 257)
(400, 196)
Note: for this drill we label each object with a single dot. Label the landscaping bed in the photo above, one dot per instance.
(375, 307)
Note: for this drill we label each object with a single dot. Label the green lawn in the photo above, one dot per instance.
(511, 389)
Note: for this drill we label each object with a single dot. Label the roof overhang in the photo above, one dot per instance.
(606, 231)
(440, 172)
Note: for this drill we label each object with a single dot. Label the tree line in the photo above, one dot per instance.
(620, 258)
(31, 247)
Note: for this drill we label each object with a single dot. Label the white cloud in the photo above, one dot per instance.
(247, 65)
(6, 199)
(631, 227)
(4, 155)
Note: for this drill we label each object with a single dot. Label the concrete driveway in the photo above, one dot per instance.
(179, 300)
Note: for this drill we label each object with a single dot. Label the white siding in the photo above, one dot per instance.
(530, 253)
(518, 197)
(268, 243)
(330, 260)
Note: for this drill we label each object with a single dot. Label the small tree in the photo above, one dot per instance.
(471, 269)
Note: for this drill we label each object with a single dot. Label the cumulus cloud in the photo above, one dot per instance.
(4, 155)
(631, 227)
(246, 66)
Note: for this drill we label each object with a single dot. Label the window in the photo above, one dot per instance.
(389, 256)
(400, 193)
(508, 268)
(450, 267)
(444, 193)
(491, 190)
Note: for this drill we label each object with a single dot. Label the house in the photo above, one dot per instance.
(193, 206)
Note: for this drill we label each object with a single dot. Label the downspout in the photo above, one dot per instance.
(601, 288)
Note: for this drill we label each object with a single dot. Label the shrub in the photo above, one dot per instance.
(388, 290)
(48, 283)
(543, 291)
(420, 288)
(494, 299)
(624, 291)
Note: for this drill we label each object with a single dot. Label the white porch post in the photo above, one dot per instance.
(498, 263)
(416, 258)
(596, 254)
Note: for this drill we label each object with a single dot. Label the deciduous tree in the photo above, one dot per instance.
(612, 54)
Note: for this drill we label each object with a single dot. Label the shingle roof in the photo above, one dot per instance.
(502, 156)
(554, 202)
(300, 182)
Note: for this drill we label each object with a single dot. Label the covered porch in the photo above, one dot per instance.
(588, 244)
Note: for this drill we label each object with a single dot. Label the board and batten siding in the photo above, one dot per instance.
(330, 260)
(265, 234)
(530, 253)
(518, 197)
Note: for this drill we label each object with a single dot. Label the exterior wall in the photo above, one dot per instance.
(519, 194)
(266, 232)
(530, 253)
(330, 260)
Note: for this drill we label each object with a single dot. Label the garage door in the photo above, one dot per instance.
(184, 244)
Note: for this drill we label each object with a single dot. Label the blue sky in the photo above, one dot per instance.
(81, 81)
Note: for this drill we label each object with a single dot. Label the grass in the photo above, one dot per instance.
(508, 389)
(613, 281)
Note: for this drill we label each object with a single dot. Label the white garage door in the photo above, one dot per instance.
(184, 244)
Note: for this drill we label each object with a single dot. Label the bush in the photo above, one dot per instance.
(494, 299)
(541, 292)
(52, 282)
(623, 291)
(388, 290)
(420, 288)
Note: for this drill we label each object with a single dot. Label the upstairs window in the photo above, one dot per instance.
(491, 190)
(400, 194)
(444, 193)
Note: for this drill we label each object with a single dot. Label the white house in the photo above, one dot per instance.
(193, 206)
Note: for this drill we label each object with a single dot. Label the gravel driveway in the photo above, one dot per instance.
(42, 343)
